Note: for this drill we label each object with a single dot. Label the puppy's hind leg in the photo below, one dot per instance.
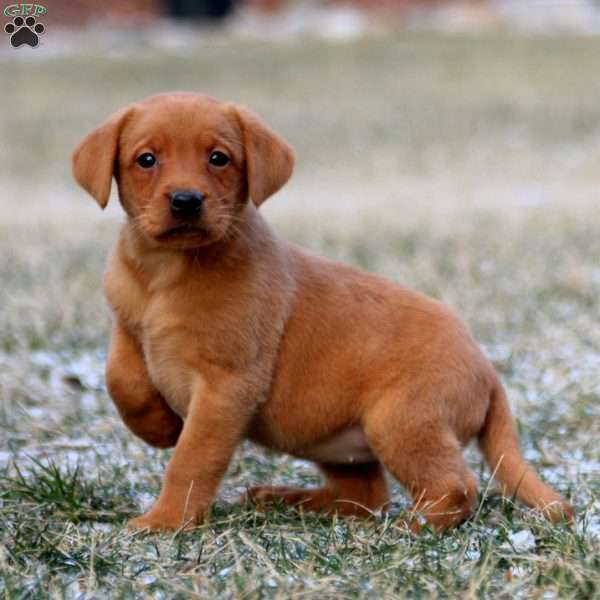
(424, 455)
(350, 490)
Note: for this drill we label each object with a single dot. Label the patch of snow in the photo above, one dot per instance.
(532, 195)
(520, 541)
(225, 572)
(542, 16)
(145, 500)
(334, 23)
(591, 524)
(517, 571)
(37, 412)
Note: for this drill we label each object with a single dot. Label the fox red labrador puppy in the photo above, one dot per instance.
(224, 331)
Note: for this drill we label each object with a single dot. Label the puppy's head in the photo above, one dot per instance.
(185, 164)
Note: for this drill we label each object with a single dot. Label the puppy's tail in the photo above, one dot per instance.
(499, 443)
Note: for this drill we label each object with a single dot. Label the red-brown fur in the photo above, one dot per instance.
(226, 332)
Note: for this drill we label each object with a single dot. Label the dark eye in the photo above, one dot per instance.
(218, 159)
(146, 160)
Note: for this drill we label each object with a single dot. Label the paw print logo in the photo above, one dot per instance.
(24, 31)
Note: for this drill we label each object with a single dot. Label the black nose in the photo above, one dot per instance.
(186, 204)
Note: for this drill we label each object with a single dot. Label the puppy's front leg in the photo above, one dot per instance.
(140, 404)
(217, 419)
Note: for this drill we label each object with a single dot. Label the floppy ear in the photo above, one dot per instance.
(269, 158)
(94, 158)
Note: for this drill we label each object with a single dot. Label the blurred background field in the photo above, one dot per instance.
(451, 146)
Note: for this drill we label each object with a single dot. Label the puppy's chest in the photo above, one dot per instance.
(189, 330)
(184, 342)
(171, 354)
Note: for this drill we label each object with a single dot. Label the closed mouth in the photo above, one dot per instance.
(182, 231)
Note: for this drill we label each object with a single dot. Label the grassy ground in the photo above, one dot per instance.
(464, 167)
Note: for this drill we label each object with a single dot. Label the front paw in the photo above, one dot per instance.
(163, 520)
